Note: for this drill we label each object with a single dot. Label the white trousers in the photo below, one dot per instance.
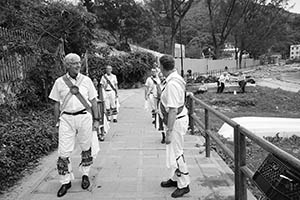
(152, 102)
(110, 104)
(71, 126)
(176, 164)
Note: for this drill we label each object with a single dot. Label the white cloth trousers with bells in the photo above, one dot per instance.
(110, 104)
(70, 127)
(176, 164)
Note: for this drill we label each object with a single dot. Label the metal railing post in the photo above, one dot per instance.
(239, 161)
(190, 113)
(243, 184)
(207, 138)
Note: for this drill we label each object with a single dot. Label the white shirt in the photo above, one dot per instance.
(60, 90)
(223, 78)
(173, 94)
(112, 78)
(151, 85)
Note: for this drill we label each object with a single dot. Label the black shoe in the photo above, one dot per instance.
(63, 189)
(115, 121)
(85, 182)
(163, 138)
(168, 183)
(180, 192)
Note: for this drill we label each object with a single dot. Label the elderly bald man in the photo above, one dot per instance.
(75, 99)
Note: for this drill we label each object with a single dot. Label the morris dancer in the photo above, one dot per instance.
(160, 124)
(104, 126)
(151, 91)
(175, 118)
(110, 84)
(75, 96)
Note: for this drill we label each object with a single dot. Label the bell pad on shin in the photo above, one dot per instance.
(86, 158)
(62, 165)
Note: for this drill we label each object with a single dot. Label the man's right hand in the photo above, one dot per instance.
(56, 125)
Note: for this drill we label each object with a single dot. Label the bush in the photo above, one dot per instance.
(206, 79)
(130, 69)
(42, 77)
(24, 138)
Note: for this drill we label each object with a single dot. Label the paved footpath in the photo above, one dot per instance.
(131, 164)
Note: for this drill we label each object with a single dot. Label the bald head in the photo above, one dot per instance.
(73, 64)
(72, 58)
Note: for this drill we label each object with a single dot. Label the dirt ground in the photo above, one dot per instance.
(277, 76)
(261, 102)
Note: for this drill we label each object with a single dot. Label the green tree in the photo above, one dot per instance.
(50, 21)
(56, 26)
(124, 19)
(260, 28)
(223, 17)
(175, 11)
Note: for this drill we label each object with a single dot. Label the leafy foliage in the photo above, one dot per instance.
(252, 34)
(230, 18)
(129, 69)
(24, 138)
(124, 19)
(58, 28)
(174, 11)
(50, 21)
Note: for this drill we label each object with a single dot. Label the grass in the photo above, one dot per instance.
(261, 102)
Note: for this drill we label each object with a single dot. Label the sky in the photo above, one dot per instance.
(296, 8)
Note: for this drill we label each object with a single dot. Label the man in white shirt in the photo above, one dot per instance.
(151, 90)
(160, 125)
(73, 115)
(110, 84)
(222, 80)
(174, 113)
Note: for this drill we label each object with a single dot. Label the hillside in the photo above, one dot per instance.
(197, 36)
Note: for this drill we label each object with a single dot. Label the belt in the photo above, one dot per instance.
(81, 112)
(180, 117)
(108, 90)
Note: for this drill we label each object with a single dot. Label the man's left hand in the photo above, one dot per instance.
(168, 139)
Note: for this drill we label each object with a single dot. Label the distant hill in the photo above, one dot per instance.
(196, 31)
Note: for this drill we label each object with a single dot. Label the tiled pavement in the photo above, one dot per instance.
(131, 164)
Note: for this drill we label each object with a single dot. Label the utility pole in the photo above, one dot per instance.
(180, 39)
(173, 27)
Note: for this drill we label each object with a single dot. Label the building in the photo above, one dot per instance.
(229, 49)
(178, 51)
(295, 51)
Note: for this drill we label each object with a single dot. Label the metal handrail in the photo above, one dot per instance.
(241, 171)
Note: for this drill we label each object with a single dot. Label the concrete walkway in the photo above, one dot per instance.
(131, 164)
